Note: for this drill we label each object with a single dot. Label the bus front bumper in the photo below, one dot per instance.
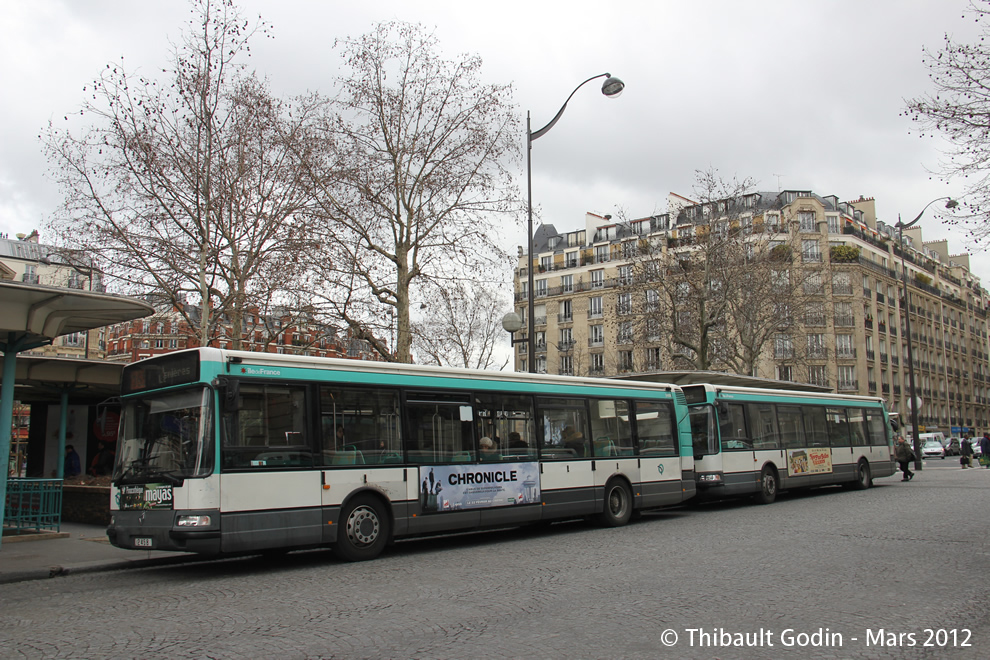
(180, 531)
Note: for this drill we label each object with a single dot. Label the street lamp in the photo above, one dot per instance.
(611, 88)
(913, 399)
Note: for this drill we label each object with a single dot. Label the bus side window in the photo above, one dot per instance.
(791, 426)
(732, 428)
(838, 427)
(877, 429)
(564, 432)
(359, 426)
(857, 426)
(610, 428)
(655, 429)
(271, 429)
(762, 426)
(508, 420)
(439, 431)
(815, 429)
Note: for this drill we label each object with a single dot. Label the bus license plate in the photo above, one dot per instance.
(143, 542)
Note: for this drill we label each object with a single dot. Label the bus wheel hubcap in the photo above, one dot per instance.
(362, 526)
(616, 502)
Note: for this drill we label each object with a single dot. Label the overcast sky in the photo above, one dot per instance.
(797, 95)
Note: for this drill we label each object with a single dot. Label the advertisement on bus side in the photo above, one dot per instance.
(458, 487)
(814, 460)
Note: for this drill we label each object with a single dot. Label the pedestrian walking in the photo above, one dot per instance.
(904, 455)
(966, 457)
(985, 450)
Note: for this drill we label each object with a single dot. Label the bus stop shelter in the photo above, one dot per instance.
(34, 315)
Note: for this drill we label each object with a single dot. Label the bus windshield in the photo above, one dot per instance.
(165, 437)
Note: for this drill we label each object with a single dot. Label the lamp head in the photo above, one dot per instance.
(951, 204)
(612, 87)
(511, 322)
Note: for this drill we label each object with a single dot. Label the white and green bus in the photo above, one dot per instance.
(754, 441)
(235, 452)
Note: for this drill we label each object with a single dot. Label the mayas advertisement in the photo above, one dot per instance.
(146, 496)
(459, 487)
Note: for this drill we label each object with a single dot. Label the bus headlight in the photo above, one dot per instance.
(710, 478)
(193, 521)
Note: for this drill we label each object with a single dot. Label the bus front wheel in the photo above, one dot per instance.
(768, 486)
(618, 504)
(364, 530)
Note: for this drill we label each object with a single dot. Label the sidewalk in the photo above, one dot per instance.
(76, 548)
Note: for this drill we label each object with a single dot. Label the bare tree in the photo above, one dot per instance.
(186, 189)
(959, 110)
(415, 167)
(725, 284)
(462, 327)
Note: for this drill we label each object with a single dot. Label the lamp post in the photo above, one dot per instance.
(913, 399)
(611, 88)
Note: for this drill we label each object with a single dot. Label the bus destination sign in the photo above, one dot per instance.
(164, 371)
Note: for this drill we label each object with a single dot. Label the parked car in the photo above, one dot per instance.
(933, 449)
(952, 447)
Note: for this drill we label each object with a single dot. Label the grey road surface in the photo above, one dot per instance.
(897, 571)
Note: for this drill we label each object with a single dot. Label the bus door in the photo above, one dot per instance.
(360, 449)
(738, 450)
(567, 480)
(765, 436)
(704, 439)
(440, 445)
(659, 461)
(612, 443)
(270, 493)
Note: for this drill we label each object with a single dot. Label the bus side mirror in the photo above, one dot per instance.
(230, 394)
(723, 410)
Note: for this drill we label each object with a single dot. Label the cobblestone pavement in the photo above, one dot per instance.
(870, 571)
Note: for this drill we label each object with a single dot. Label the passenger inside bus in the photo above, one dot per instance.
(488, 452)
(575, 441)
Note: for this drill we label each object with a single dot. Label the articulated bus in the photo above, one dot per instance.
(753, 441)
(236, 452)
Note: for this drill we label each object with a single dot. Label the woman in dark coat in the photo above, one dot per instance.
(966, 457)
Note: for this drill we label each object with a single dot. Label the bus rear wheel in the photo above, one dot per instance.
(618, 504)
(863, 479)
(364, 530)
(768, 486)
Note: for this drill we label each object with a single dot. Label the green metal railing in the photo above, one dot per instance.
(32, 505)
